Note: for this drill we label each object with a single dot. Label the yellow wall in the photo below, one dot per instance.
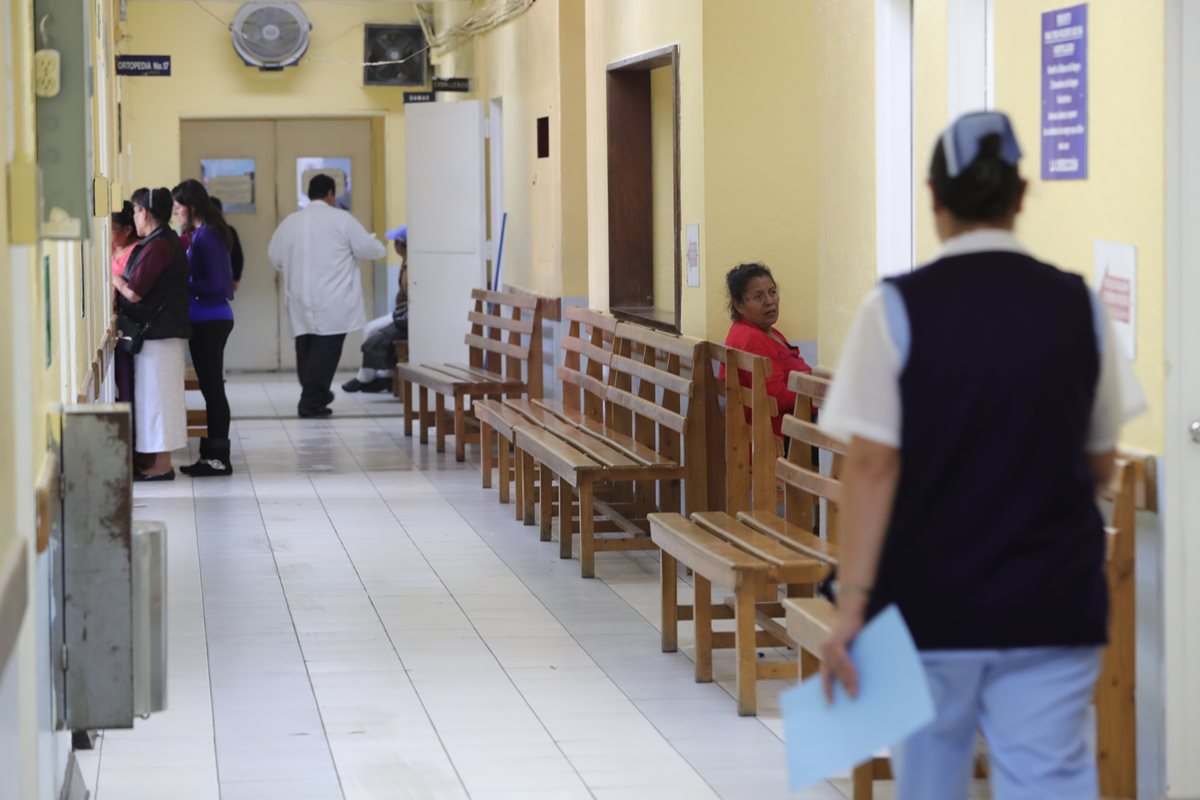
(845, 110)
(761, 156)
(1123, 197)
(662, 162)
(208, 79)
(618, 29)
(930, 111)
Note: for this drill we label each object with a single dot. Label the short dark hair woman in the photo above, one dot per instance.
(152, 301)
(982, 396)
(754, 308)
(210, 288)
(123, 237)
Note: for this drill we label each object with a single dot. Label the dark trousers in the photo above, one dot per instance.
(123, 372)
(208, 358)
(316, 362)
(379, 349)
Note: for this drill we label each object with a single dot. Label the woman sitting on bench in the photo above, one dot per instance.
(754, 307)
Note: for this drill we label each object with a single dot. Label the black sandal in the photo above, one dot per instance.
(142, 477)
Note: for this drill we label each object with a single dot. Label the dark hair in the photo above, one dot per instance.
(320, 186)
(124, 217)
(987, 190)
(738, 279)
(216, 203)
(156, 201)
(192, 195)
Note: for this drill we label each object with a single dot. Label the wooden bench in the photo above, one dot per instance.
(648, 453)
(401, 350)
(749, 549)
(505, 359)
(810, 621)
(587, 352)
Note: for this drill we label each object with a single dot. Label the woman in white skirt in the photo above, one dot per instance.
(153, 305)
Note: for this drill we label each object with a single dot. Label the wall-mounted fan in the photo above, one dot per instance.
(270, 36)
(394, 43)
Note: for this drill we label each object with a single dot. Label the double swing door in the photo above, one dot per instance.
(260, 169)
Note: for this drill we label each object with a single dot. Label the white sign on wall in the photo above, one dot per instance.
(1116, 283)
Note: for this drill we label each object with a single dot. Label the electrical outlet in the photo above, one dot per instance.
(47, 69)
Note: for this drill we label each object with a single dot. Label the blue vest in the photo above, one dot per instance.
(995, 539)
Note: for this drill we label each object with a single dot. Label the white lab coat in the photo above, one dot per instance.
(318, 248)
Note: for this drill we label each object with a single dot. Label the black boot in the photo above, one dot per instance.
(214, 460)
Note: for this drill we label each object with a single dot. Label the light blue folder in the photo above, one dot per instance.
(893, 702)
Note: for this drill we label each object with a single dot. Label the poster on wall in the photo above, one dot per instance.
(1116, 284)
(232, 180)
(1064, 94)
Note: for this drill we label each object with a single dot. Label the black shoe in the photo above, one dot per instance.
(142, 477)
(377, 385)
(329, 397)
(314, 414)
(355, 385)
(213, 462)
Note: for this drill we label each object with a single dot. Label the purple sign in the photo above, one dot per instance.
(1064, 94)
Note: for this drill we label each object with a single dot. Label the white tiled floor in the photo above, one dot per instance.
(351, 616)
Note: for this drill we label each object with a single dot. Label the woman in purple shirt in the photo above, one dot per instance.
(210, 288)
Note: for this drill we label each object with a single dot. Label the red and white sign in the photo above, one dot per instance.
(1116, 284)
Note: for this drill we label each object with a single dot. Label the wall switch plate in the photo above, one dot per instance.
(692, 253)
(47, 71)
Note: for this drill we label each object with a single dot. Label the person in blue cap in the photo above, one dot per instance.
(381, 334)
(982, 396)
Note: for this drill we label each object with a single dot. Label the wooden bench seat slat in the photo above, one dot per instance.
(808, 481)
(497, 346)
(498, 416)
(638, 405)
(556, 407)
(503, 323)
(551, 450)
(809, 621)
(672, 383)
(793, 535)
(424, 376)
(809, 434)
(717, 560)
(770, 549)
(476, 374)
(474, 383)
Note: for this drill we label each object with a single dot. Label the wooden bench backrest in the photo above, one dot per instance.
(506, 336)
(810, 390)
(750, 445)
(652, 388)
(587, 354)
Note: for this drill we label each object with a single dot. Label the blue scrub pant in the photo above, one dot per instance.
(1032, 706)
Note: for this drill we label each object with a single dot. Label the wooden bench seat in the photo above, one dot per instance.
(780, 554)
(504, 359)
(197, 418)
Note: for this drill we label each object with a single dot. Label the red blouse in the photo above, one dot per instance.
(785, 359)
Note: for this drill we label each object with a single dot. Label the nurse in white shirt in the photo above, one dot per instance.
(982, 396)
(318, 249)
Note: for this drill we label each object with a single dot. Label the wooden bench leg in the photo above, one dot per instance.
(670, 601)
(502, 468)
(528, 495)
(460, 428)
(566, 520)
(863, 781)
(546, 500)
(518, 483)
(702, 615)
(587, 543)
(422, 410)
(439, 421)
(747, 651)
(406, 397)
(485, 452)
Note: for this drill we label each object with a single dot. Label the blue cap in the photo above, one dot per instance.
(961, 140)
(398, 234)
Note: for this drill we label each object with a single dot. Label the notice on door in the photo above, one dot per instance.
(1064, 94)
(1116, 283)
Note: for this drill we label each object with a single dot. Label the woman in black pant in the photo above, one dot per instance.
(210, 284)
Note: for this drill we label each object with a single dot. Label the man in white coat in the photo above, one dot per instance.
(318, 249)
